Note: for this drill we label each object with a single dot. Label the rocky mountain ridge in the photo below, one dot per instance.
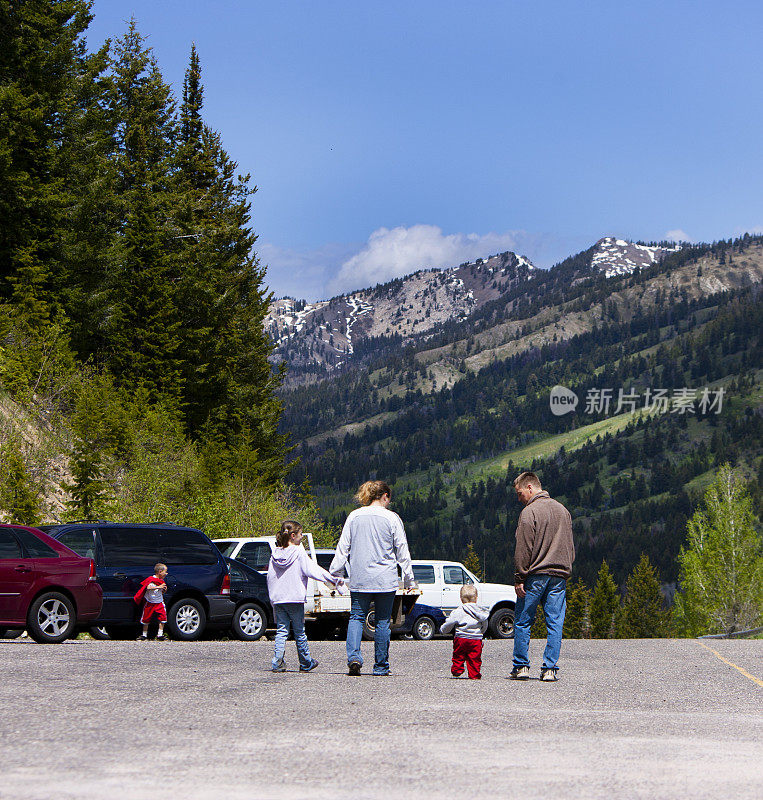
(326, 334)
(320, 338)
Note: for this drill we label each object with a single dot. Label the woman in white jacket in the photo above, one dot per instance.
(288, 571)
(373, 543)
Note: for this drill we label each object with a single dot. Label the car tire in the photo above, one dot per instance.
(186, 620)
(502, 623)
(369, 626)
(424, 629)
(99, 633)
(51, 618)
(249, 622)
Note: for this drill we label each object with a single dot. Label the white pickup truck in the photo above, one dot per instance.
(324, 604)
(440, 583)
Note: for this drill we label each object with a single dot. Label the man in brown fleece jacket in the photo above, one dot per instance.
(542, 562)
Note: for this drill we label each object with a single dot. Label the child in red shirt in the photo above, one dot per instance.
(152, 592)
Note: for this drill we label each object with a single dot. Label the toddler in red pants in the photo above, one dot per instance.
(470, 623)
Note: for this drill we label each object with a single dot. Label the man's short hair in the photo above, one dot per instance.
(468, 593)
(527, 477)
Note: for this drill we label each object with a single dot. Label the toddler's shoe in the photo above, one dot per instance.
(142, 638)
(161, 638)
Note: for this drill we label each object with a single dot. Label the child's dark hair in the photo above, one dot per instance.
(288, 526)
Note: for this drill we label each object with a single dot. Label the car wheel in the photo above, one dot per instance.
(51, 618)
(249, 622)
(502, 623)
(369, 626)
(98, 633)
(424, 629)
(186, 620)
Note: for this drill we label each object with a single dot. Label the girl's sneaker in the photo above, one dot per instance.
(161, 638)
(279, 667)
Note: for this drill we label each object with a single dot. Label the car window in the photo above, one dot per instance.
(224, 546)
(324, 559)
(35, 547)
(126, 546)
(9, 546)
(81, 541)
(236, 573)
(454, 575)
(186, 547)
(255, 554)
(423, 573)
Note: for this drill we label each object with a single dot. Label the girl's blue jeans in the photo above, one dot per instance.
(291, 615)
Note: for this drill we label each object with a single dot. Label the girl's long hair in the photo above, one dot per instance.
(288, 526)
(370, 491)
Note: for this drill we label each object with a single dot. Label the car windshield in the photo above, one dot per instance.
(224, 546)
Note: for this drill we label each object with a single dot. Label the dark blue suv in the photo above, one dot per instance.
(198, 584)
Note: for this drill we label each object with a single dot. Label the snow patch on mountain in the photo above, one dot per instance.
(614, 256)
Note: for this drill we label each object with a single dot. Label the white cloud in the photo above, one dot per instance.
(302, 273)
(392, 253)
(677, 235)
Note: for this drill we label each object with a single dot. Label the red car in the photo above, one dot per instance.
(44, 586)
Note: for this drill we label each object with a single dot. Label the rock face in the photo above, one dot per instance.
(617, 257)
(324, 335)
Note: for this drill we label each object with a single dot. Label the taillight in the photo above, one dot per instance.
(92, 576)
(225, 588)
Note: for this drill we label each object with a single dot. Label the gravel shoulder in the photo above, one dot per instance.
(627, 719)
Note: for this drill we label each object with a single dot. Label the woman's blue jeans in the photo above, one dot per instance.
(291, 615)
(360, 606)
(550, 592)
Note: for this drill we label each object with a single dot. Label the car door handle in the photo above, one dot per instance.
(22, 568)
(120, 574)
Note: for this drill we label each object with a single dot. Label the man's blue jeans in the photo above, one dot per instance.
(291, 615)
(361, 603)
(550, 592)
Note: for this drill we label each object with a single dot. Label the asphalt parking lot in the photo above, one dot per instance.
(627, 719)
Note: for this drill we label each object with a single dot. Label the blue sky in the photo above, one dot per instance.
(389, 136)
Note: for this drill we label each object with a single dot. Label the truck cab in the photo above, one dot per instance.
(440, 584)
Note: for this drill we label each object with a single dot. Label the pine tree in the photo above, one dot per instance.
(43, 63)
(18, 497)
(141, 322)
(229, 385)
(472, 561)
(88, 490)
(604, 604)
(642, 615)
(576, 620)
(721, 567)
